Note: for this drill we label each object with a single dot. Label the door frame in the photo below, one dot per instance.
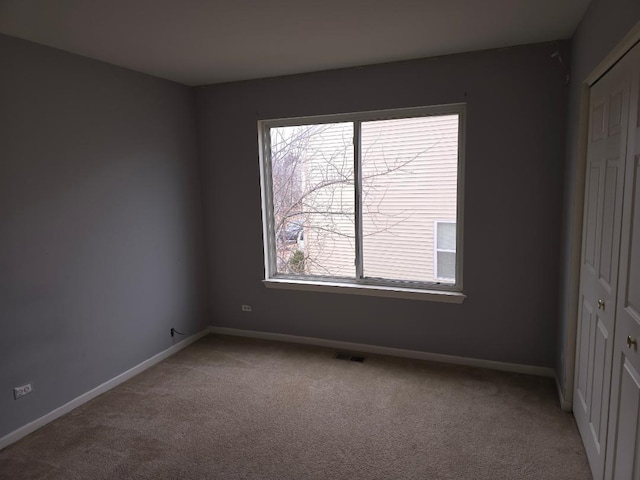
(576, 214)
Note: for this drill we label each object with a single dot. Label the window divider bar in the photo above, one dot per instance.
(357, 174)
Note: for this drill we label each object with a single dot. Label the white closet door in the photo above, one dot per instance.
(623, 461)
(609, 108)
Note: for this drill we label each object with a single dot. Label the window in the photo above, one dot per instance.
(355, 201)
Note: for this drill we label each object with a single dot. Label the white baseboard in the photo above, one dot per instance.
(320, 342)
(395, 352)
(108, 385)
(565, 405)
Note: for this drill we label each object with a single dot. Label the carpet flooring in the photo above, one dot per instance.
(234, 408)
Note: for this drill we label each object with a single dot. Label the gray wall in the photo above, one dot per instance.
(513, 196)
(101, 235)
(602, 27)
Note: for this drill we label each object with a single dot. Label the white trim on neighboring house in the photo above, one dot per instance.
(31, 427)
(436, 223)
(577, 209)
(390, 351)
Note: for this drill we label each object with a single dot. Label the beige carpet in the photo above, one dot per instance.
(231, 408)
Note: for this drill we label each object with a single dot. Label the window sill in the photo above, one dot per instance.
(369, 290)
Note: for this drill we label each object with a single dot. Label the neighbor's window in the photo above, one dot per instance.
(358, 199)
(445, 256)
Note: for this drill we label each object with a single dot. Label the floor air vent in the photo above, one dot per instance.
(348, 356)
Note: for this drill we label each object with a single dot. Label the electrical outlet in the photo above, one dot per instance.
(246, 308)
(22, 391)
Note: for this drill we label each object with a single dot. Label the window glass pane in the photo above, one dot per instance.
(446, 236)
(446, 265)
(313, 199)
(409, 181)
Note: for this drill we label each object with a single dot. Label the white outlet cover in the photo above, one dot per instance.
(22, 391)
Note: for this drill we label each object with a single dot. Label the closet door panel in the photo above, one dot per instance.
(612, 182)
(585, 334)
(626, 466)
(591, 217)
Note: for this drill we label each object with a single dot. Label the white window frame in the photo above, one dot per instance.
(436, 291)
(436, 224)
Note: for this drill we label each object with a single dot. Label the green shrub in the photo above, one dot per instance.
(296, 262)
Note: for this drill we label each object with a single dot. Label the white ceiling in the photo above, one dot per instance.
(198, 42)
